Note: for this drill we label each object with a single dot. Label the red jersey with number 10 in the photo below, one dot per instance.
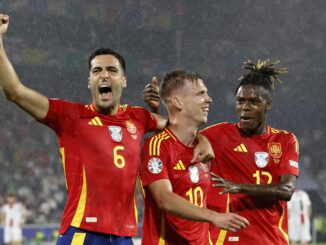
(164, 157)
(259, 159)
(100, 161)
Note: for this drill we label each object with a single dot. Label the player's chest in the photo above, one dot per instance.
(100, 131)
(181, 171)
(257, 156)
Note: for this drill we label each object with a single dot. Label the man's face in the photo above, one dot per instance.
(252, 105)
(195, 101)
(106, 81)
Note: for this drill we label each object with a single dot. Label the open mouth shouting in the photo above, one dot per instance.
(105, 91)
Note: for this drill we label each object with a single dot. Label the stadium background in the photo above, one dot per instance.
(49, 42)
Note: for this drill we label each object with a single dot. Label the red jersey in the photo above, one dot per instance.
(258, 159)
(100, 161)
(163, 156)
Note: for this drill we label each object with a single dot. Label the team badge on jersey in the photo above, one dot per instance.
(261, 159)
(275, 149)
(116, 133)
(155, 165)
(131, 129)
(194, 174)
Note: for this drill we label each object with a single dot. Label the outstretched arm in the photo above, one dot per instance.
(282, 190)
(168, 201)
(32, 102)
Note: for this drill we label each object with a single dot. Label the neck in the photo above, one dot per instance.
(259, 130)
(107, 111)
(185, 132)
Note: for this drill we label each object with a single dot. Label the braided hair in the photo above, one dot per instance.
(264, 74)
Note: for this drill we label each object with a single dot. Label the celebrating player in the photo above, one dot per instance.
(254, 162)
(99, 144)
(175, 189)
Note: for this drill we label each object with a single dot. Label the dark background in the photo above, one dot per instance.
(49, 42)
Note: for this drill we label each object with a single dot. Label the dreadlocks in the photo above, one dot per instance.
(264, 74)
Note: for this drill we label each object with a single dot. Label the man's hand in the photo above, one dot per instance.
(203, 150)
(4, 22)
(229, 221)
(151, 95)
(228, 187)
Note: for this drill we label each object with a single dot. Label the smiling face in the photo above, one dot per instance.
(106, 82)
(253, 102)
(194, 101)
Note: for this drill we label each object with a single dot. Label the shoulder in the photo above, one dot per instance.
(282, 133)
(133, 108)
(160, 138)
(219, 127)
(59, 104)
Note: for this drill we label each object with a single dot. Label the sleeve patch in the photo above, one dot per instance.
(294, 164)
(155, 165)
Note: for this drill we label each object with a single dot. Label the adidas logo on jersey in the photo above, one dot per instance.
(96, 121)
(179, 166)
(241, 148)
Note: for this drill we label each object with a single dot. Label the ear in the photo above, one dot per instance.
(269, 105)
(124, 82)
(177, 103)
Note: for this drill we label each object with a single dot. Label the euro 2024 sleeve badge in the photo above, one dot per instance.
(155, 165)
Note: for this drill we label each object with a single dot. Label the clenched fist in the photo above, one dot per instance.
(4, 22)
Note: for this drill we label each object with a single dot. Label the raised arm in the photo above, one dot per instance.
(168, 201)
(32, 102)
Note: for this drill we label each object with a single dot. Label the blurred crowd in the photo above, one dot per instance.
(49, 42)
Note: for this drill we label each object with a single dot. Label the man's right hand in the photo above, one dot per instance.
(4, 22)
(229, 221)
(151, 95)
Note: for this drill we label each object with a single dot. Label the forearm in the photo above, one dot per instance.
(9, 81)
(277, 191)
(180, 207)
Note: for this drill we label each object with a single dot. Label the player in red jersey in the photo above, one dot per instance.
(175, 189)
(99, 144)
(256, 165)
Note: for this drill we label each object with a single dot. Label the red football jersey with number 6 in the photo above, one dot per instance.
(100, 161)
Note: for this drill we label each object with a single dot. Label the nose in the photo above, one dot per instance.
(104, 74)
(246, 106)
(209, 99)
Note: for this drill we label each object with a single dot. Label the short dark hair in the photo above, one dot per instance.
(176, 79)
(104, 51)
(263, 74)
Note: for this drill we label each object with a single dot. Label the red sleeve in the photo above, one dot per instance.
(146, 117)
(289, 163)
(59, 114)
(153, 166)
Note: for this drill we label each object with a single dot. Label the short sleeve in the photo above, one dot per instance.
(290, 156)
(153, 166)
(146, 118)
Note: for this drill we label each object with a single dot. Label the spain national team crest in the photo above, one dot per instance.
(116, 133)
(275, 149)
(261, 159)
(131, 129)
(194, 174)
(155, 165)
